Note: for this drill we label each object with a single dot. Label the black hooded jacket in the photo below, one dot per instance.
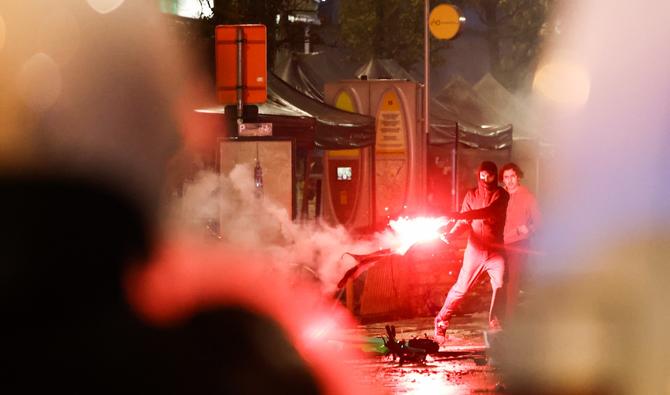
(484, 209)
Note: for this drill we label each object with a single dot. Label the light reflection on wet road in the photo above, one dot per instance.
(440, 374)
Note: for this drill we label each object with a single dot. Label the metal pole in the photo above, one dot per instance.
(454, 171)
(426, 98)
(240, 63)
(426, 65)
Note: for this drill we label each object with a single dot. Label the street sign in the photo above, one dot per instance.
(254, 129)
(444, 21)
(254, 63)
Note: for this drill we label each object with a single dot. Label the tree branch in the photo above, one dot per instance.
(481, 14)
(508, 15)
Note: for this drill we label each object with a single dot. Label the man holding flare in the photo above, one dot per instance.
(483, 212)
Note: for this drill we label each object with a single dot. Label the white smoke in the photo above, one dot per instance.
(307, 250)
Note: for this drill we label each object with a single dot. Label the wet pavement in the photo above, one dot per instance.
(460, 367)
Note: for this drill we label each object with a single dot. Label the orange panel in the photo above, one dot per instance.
(254, 63)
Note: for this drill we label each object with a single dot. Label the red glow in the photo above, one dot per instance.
(189, 275)
(420, 383)
(199, 130)
(409, 231)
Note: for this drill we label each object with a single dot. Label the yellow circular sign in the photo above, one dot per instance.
(444, 21)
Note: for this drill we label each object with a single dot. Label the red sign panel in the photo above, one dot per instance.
(254, 63)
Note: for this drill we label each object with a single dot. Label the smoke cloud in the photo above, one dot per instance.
(304, 251)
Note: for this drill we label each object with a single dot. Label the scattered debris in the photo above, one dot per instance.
(415, 350)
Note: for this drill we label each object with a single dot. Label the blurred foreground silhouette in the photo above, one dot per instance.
(89, 104)
(599, 321)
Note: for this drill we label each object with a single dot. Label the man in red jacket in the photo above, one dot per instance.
(523, 220)
(483, 212)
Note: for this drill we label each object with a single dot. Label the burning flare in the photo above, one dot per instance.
(409, 231)
(405, 233)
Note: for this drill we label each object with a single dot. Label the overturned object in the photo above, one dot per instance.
(414, 350)
(365, 261)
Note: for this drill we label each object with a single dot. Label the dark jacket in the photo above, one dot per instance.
(485, 211)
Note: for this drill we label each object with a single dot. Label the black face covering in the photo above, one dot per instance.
(492, 169)
(491, 186)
